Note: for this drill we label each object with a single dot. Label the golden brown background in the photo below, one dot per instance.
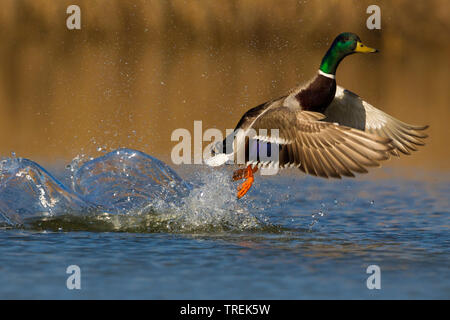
(137, 70)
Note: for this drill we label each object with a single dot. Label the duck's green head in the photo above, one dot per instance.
(346, 43)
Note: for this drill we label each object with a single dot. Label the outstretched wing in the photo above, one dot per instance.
(320, 148)
(350, 110)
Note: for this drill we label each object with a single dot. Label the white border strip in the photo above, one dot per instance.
(328, 75)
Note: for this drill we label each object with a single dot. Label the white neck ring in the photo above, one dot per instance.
(328, 75)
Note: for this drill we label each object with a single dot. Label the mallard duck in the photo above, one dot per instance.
(323, 129)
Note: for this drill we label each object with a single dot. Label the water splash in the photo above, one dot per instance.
(322, 212)
(213, 204)
(124, 190)
(125, 180)
(27, 190)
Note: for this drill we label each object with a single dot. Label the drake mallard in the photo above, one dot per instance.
(323, 129)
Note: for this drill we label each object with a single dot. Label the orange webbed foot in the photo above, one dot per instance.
(247, 184)
(244, 187)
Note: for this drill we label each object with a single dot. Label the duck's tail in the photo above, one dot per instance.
(219, 159)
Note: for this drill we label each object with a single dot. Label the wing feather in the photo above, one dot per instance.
(350, 110)
(321, 148)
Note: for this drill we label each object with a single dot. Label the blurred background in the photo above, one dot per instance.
(137, 70)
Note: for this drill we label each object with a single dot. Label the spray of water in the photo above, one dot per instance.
(128, 191)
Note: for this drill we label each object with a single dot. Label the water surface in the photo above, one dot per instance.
(292, 237)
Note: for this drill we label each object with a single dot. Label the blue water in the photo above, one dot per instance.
(138, 229)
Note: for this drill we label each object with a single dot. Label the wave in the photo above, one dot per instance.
(125, 190)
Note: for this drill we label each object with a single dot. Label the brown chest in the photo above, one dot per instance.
(318, 94)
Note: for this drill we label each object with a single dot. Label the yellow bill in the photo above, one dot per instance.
(360, 47)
